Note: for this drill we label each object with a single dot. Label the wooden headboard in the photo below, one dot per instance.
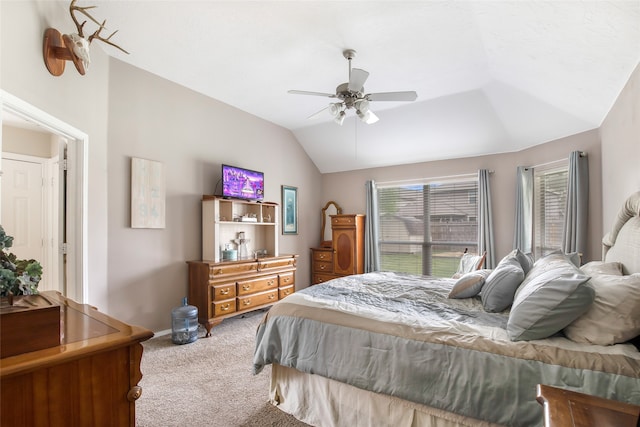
(622, 243)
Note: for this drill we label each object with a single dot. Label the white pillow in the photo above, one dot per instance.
(470, 284)
(614, 316)
(595, 268)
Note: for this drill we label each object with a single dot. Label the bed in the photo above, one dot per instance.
(390, 349)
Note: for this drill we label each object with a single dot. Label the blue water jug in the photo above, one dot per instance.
(184, 323)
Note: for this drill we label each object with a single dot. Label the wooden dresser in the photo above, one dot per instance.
(90, 379)
(567, 408)
(346, 254)
(230, 288)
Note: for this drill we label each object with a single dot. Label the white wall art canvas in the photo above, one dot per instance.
(147, 194)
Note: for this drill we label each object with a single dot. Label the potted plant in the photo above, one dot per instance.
(17, 276)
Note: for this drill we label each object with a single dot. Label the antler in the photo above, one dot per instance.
(96, 35)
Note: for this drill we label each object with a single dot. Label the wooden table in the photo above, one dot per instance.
(90, 379)
(566, 408)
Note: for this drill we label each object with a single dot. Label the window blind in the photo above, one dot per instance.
(550, 196)
(425, 227)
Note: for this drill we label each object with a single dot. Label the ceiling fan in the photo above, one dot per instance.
(352, 95)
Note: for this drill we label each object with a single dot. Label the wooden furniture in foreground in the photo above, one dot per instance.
(566, 408)
(89, 379)
(346, 254)
(226, 289)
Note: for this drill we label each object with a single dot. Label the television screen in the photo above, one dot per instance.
(242, 183)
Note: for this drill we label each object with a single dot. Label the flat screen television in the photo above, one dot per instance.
(242, 183)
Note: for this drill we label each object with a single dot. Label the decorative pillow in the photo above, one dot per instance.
(614, 316)
(525, 260)
(574, 257)
(468, 263)
(470, 284)
(554, 294)
(595, 268)
(499, 288)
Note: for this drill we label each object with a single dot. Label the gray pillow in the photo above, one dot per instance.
(554, 294)
(470, 284)
(525, 260)
(500, 287)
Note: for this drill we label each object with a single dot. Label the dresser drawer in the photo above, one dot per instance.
(225, 270)
(283, 292)
(343, 221)
(223, 292)
(321, 278)
(251, 286)
(286, 279)
(276, 263)
(220, 308)
(326, 256)
(322, 267)
(254, 300)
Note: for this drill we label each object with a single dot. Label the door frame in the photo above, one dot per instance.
(77, 283)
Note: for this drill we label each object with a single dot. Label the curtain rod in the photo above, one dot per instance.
(431, 180)
(566, 159)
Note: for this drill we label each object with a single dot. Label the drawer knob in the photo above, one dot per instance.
(134, 394)
(322, 267)
(224, 291)
(287, 292)
(270, 282)
(225, 307)
(247, 302)
(246, 287)
(272, 296)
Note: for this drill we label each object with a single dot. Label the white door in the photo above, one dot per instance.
(22, 207)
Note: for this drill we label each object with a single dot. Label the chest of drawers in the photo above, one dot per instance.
(225, 289)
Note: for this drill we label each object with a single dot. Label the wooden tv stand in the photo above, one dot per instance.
(90, 379)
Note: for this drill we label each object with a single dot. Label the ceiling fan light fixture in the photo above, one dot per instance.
(368, 117)
(340, 118)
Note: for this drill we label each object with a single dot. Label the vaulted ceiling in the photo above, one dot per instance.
(491, 76)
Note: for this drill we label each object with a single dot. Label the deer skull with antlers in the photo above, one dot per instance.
(75, 46)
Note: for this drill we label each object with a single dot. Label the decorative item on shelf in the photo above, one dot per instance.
(17, 276)
(249, 218)
(229, 254)
(58, 48)
(243, 250)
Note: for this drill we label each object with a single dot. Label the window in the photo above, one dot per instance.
(549, 205)
(424, 228)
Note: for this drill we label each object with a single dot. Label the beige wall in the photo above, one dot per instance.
(28, 142)
(347, 188)
(139, 275)
(80, 101)
(620, 135)
(191, 135)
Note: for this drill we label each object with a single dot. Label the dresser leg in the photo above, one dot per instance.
(210, 324)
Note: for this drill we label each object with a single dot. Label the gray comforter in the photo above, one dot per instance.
(400, 335)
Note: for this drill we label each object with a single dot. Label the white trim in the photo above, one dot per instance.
(77, 190)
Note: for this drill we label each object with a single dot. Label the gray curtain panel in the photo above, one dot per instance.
(371, 229)
(575, 224)
(485, 219)
(523, 233)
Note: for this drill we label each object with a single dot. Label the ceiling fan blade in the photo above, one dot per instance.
(319, 113)
(304, 92)
(357, 79)
(392, 96)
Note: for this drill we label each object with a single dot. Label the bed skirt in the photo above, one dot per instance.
(322, 402)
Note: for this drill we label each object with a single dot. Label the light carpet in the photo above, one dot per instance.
(208, 382)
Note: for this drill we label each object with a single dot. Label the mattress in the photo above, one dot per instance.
(399, 335)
